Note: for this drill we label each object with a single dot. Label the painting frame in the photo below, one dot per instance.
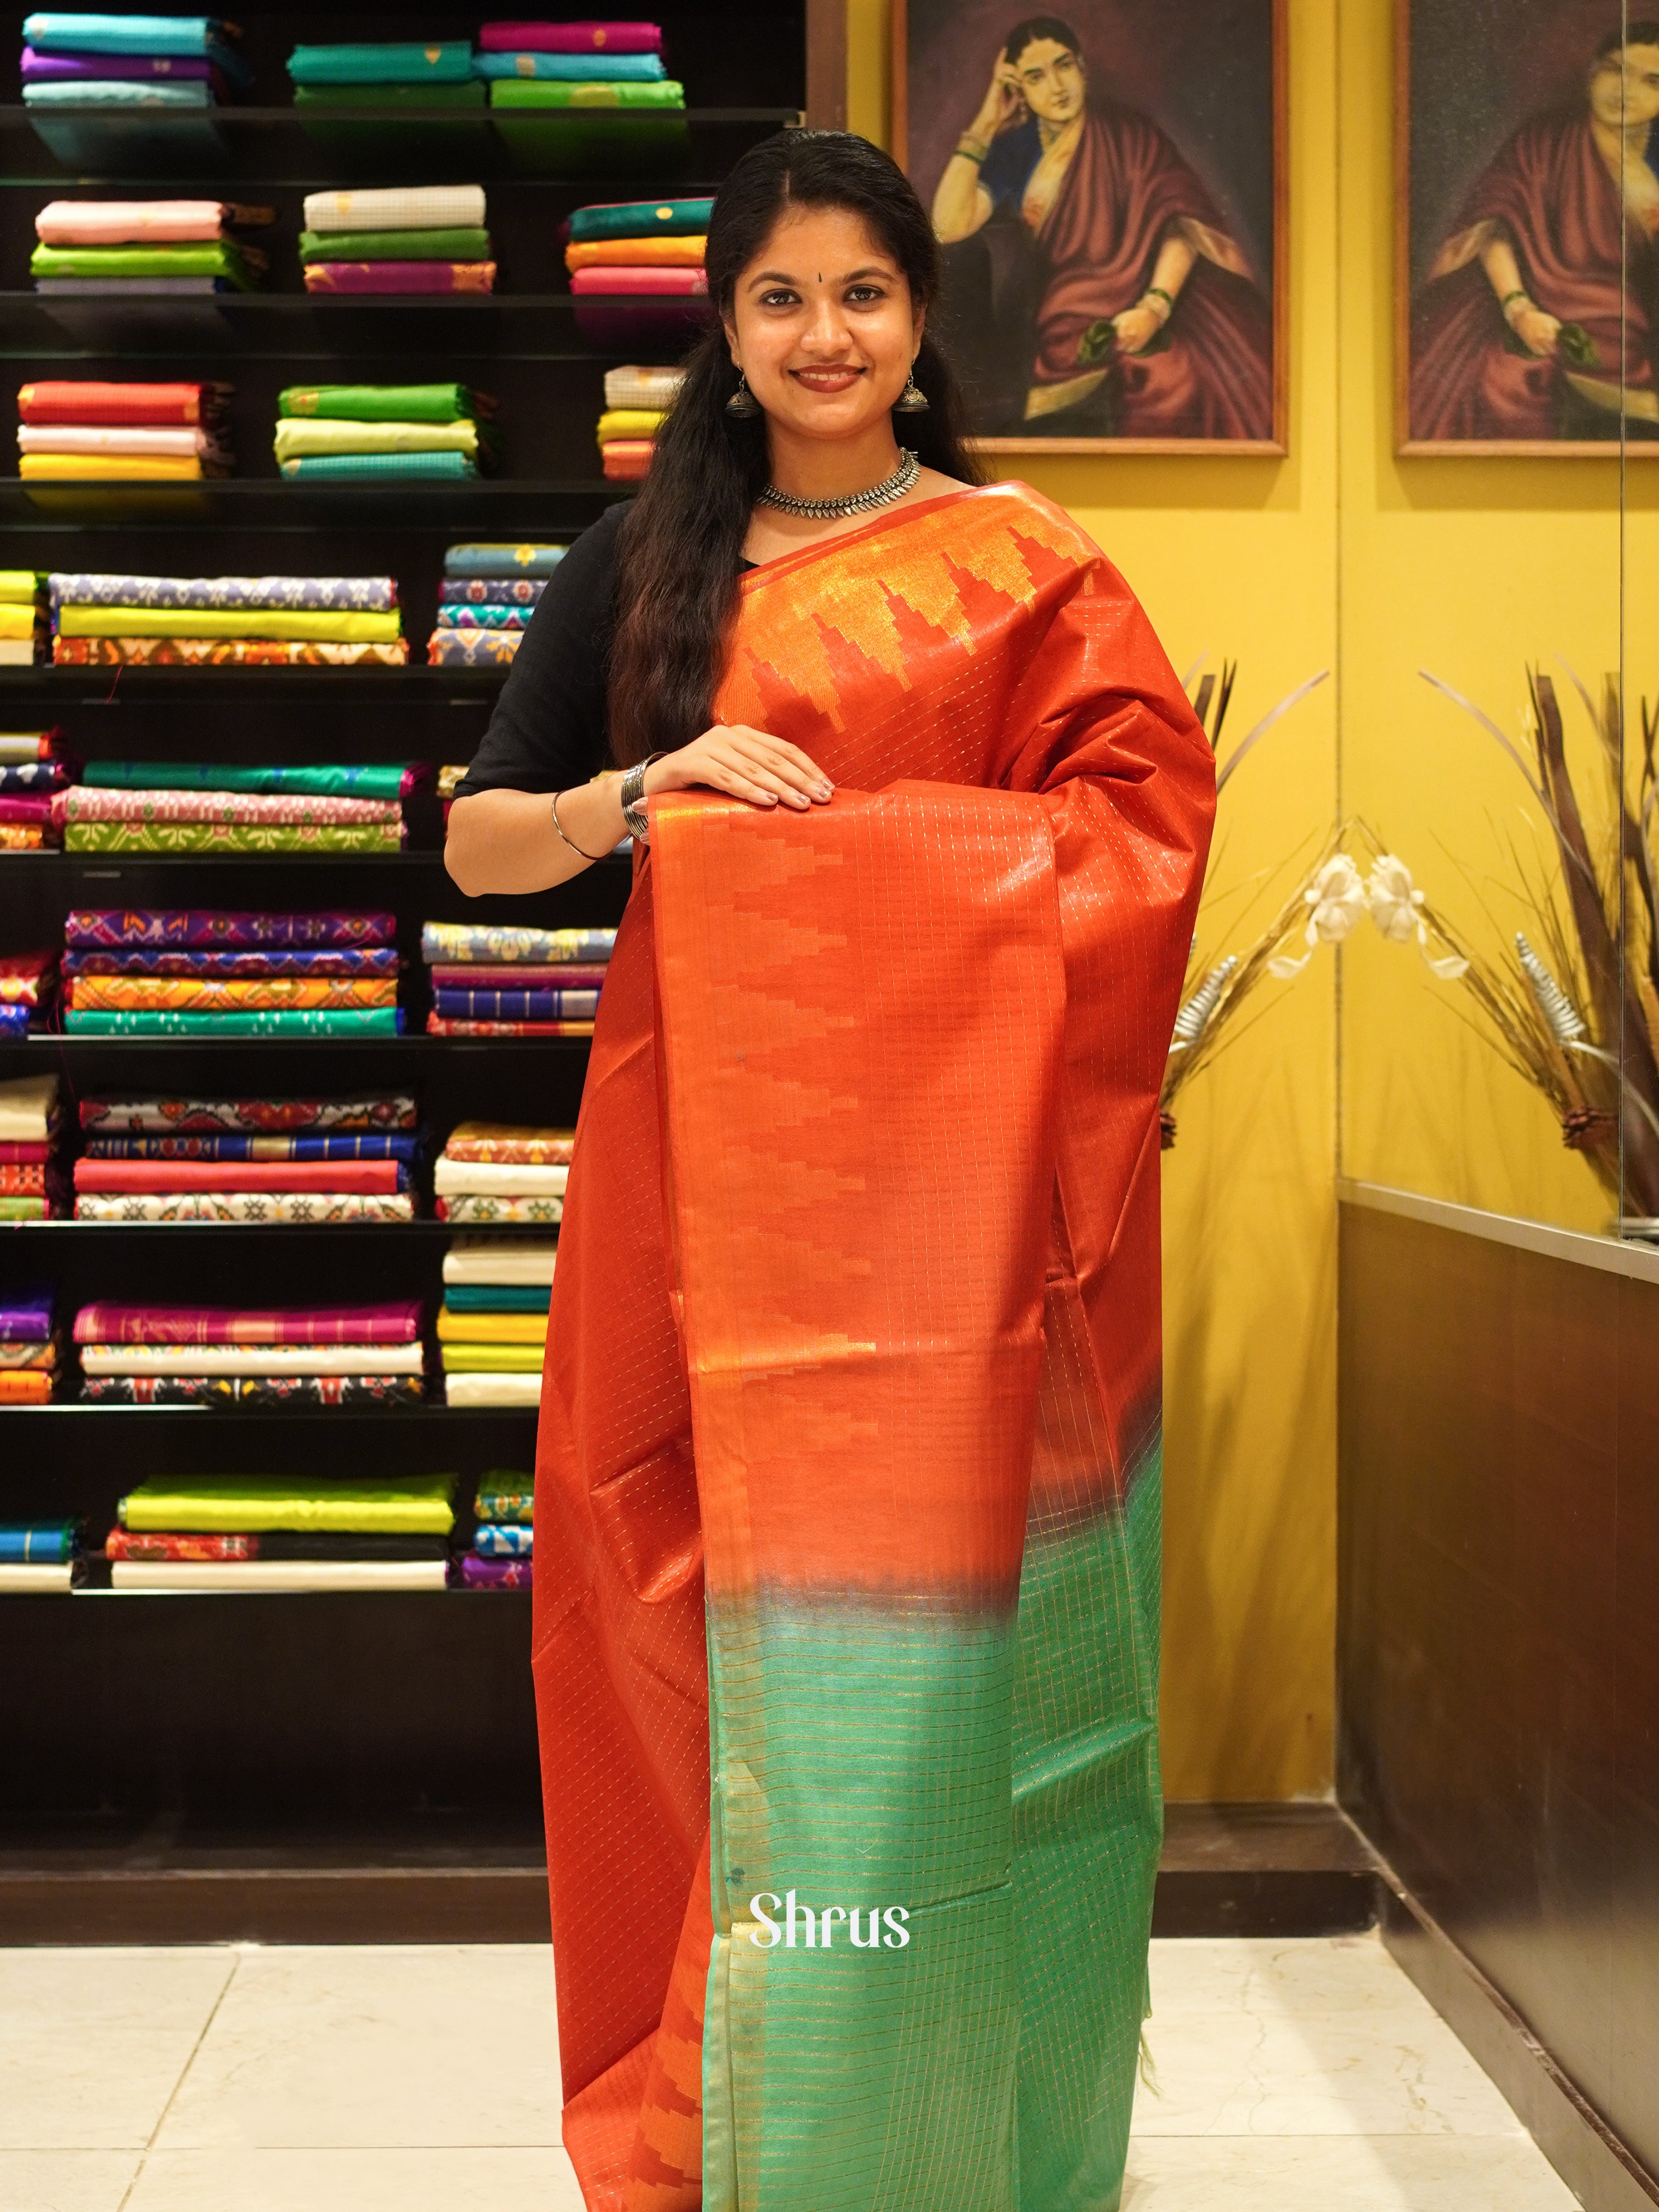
(1406, 445)
(1276, 446)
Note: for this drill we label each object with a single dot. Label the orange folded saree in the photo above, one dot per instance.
(848, 1483)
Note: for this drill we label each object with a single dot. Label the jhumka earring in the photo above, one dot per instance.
(743, 401)
(911, 400)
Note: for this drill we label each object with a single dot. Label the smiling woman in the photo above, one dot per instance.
(847, 1468)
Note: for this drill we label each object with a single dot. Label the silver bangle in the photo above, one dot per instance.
(633, 791)
(559, 826)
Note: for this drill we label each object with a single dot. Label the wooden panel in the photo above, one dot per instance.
(1496, 1660)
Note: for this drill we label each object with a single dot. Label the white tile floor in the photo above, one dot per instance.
(1300, 2076)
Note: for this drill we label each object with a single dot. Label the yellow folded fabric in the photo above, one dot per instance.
(17, 584)
(298, 438)
(491, 1327)
(636, 253)
(16, 621)
(497, 1359)
(630, 422)
(112, 467)
(331, 624)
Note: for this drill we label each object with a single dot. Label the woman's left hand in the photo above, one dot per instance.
(1136, 328)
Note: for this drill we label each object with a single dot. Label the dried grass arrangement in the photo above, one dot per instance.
(1219, 984)
(1580, 1026)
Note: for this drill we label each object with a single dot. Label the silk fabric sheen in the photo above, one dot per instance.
(886, 1362)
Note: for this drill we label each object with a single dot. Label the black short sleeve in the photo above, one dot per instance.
(548, 731)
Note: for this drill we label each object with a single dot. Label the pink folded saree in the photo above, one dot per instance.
(361, 1176)
(137, 223)
(117, 1324)
(570, 39)
(662, 284)
(400, 275)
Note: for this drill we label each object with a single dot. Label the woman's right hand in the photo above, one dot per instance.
(1001, 103)
(1537, 331)
(744, 763)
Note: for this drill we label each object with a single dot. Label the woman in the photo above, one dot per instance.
(1147, 323)
(847, 1488)
(1540, 304)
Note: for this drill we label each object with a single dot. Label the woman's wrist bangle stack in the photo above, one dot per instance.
(971, 148)
(571, 841)
(1507, 306)
(1156, 292)
(633, 791)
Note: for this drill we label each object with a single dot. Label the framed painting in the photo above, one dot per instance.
(1527, 184)
(1107, 186)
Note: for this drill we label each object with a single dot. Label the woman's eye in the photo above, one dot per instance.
(778, 299)
(863, 294)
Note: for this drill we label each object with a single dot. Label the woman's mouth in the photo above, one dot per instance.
(827, 381)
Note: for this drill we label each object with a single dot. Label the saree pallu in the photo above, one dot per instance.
(273, 1208)
(848, 1599)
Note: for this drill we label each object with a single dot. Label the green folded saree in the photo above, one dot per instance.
(552, 92)
(299, 440)
(384, 403)
(348, 468)
(215, 257)
(395, 97)
(232, 837)
(394, 246)
(240, 1504)
(442, 62)
(304, 1021)
(370, 779)
(331, 625)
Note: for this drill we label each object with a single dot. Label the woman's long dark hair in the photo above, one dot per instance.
(682, 543)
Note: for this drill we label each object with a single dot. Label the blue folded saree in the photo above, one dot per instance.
(193, 35)
(118, 92)
(345, 468)
(575, 69)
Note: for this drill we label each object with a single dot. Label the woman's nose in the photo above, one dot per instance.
(826, 329)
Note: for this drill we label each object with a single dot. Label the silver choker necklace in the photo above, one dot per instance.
(853, 502)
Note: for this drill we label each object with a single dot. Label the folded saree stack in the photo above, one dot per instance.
(24, 637)
(334, 622)
(32, 767)
(485, 601)
(145, 249)
(488, 981)
(261, 1532)
(185, 972)
(265, 1160)
(366, 1357)
(564, 65)
(383, 433)
(637, 401)
(495, 1174)
(30, 1351)
(502, 1541)
(88, 431)
(196, 807)
(636, 271)
(38, 1557)
(426, 238)
(31, 1186)
(402, 78)
(492, 1326)
(27, 982)
(130, 61)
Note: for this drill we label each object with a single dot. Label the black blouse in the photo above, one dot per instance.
(549, 729)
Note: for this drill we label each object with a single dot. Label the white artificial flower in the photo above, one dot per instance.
(1337, 897)
(1394, 901)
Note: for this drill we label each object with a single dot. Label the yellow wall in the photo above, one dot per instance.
(1239, 557)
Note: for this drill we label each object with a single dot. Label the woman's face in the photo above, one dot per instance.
(1052, 79)
(821, 325)
(1624, 87)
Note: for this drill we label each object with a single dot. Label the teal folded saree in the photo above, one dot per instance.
(443, 62)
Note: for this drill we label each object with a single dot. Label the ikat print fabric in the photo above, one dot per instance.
(243, 1116)
(271, 1208)
(104, 928)
(363, 594)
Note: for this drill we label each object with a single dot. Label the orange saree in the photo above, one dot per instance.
(846, 1609)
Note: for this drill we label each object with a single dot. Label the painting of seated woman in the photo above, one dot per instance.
(1533, 222)
(1104, 186)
